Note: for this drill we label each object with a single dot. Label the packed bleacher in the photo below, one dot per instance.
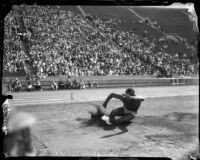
(58, 42)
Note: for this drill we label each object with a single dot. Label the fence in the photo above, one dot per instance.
(147, 82)
(113, 83)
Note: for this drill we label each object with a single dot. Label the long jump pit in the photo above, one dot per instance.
(166, 124)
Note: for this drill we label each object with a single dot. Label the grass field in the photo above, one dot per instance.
(165, 126)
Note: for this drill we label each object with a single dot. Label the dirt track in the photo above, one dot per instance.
(76, 96)
(165, 126)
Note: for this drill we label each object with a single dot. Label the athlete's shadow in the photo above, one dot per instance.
(122, 127)
(96, 121)
(101, 124)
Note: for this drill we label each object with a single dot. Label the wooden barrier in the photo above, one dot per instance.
(114, 83)
(192, 81)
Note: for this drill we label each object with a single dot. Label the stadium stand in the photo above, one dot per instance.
(61, 43)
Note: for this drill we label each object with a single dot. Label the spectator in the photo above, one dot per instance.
(6, 110)
(33, 77)
(75, 84)
(90, 84)
(61, 84)
(29, 86)
(95, 84)
(54, 85)
(28, 77)
(17, 85)
(82, 84)
(10, 86)
(68, 84)
(38, 86)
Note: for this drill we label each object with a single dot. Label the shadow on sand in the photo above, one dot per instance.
(101, 124)
(169, 121)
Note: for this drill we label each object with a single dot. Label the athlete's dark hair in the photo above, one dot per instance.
(130, 91)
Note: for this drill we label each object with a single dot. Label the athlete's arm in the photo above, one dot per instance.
(113, 95)
(139, 97)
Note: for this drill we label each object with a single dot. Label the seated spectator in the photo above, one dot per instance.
(90, 84)
(29, 86)
(33, 77)
(75, 84)
(95, 84)
(17, 85)
(28, 77)
(61, 84)
(54, 85)
(10, 86)
(38, 85)
(68, 84)
(82, 84)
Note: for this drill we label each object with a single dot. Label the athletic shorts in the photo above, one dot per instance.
(128, 111)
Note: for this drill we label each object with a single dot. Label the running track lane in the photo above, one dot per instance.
(74, 96)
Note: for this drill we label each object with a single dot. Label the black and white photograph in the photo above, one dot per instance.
(101, 81)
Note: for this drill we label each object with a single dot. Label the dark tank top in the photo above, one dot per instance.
(131, 103)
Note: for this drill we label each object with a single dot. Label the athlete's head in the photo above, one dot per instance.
(130, 92)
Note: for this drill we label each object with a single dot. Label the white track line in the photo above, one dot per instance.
(55, 101)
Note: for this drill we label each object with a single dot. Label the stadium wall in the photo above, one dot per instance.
(134, 82)
(148, 82)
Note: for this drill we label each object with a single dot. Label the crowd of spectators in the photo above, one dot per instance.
(74, 84)
(58, 42)
(14, 85)
(34, 84)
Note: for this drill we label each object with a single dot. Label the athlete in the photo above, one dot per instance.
(131, 104)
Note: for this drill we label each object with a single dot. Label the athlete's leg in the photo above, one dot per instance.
(116, 112)
(126, 118)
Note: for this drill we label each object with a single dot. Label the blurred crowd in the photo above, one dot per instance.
(17, 136)
(33, 83)
(58, 43)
